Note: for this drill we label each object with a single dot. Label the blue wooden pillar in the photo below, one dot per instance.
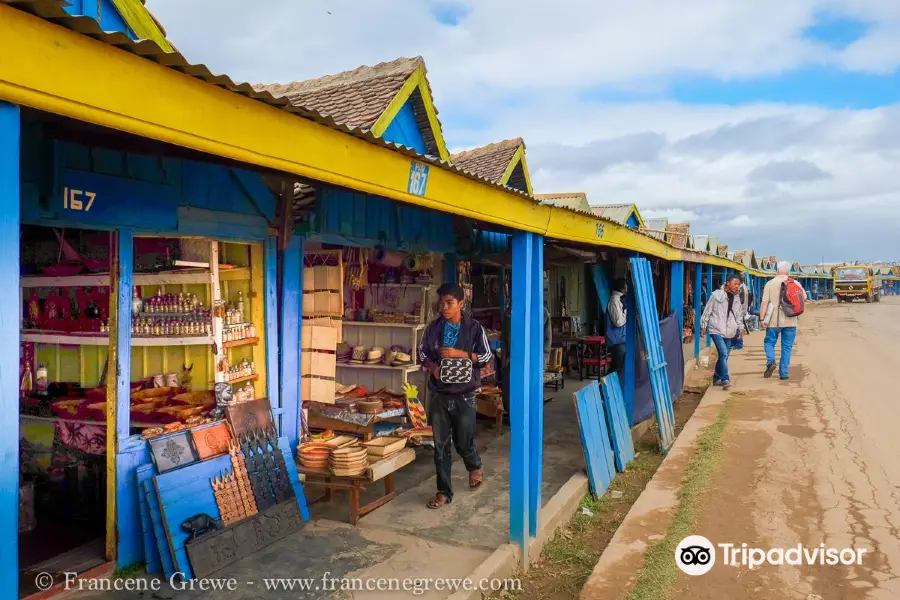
(536, 381)
(709, 291)
(451, 266)
(270, 283)
(291, 322)
(698, 281)
(123, 334)
(10, 311)
(677, 291)
(520, 389)
(630, 347)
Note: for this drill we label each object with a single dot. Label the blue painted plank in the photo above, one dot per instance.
(619, 424)
(536, 375)
(598, 453)
(520, 390)
(103, 200)
(676, 296)
(601, 284)
(698, 309)
(159, 530)
(152, 560)
(130, 548)
(630, 355)
(649, 320)
(291, 312)
(122, 368)
(404, 130)
(709, 291)
(270, 266)
(294, 477)
(9, 352)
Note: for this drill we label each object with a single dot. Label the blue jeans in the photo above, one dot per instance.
(737, 342)
(722, 347)
(788, 335)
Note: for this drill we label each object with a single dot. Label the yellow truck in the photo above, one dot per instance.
(854, 282)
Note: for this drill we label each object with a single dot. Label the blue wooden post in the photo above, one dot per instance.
(123, 336)
(536, 381)
(10, 311)
(520, 390)
(698, 281)
(270, 283)
(630, 349)
(709, 291)
(291, 311)
(676, 299)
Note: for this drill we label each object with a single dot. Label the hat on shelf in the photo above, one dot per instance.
(390, 356)
(343, 352)
(375, 356)
(359, 354)
(401, 359)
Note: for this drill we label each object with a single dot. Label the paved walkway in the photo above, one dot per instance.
(813, 460)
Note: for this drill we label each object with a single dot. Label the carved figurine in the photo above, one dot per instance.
(34, 311)
(137, 303)
(42, 379)
(199, 525)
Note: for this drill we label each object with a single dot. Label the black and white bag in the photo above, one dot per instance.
(456, 370)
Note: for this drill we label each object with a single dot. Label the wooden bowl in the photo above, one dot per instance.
(370, 405)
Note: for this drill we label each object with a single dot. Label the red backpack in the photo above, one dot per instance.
(792, 298)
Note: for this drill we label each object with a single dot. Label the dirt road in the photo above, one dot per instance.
(814, 460)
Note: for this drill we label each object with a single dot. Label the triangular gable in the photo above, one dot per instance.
(393, 100)
(572, 200)
(501, 162)
(713, 245)
(722, 250)
(679, 235)
(623, 214)
(796, 268)
(130, 17)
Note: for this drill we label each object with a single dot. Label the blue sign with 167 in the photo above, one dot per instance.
(418, 179)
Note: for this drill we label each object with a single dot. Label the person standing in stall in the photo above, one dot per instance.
(453, 350)
(615, 326)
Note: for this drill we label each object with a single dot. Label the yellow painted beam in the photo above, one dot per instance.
(69, 74)
(518, 157)
(111, 409)
(416, 81)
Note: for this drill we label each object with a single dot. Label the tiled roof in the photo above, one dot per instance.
(657, 227)
(618, 213)
(359, 97)
(723, 250)
(740, 255)
(574, 200)
(679, 233)
(489, 161)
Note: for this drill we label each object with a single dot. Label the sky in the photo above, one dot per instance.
(774, 125)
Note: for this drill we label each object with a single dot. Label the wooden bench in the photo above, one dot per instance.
(383, 469)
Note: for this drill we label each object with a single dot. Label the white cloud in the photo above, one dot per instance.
(675, 215)
(781, 179)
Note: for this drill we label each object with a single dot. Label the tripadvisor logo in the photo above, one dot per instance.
(696, 555)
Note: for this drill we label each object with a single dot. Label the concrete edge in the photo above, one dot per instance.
(650, 516)
(504, 561)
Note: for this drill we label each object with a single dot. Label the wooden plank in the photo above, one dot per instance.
(536, 397)
(388, 465)
(623, 445)
(151, 552)
(217, 322)
(159, 531)
(273, 380)
(594, 438)
(112, 394)
(257, 300)
(292, 301)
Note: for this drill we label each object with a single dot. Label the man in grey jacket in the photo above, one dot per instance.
(723, 317)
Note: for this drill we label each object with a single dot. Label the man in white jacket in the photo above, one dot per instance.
(723, 317)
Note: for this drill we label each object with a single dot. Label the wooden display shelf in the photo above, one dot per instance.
(242, 379)
(406, 368)
(243, 342)
(87, 339)
(388, 325)
(401, 285)
(162, 278)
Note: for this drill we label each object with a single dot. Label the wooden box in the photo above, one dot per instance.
(211, 440)
(309, 280)
(315, 337)
(327, 278)
(383, 446)
(314, 389)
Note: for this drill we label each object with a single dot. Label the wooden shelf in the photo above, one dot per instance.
(103, 340)
(243, 342)
(387, 325)
(162, 278)
(243, 379)
(401, 285)
(407, 368)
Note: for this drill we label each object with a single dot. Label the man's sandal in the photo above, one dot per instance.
(476, 478)
(438, 501)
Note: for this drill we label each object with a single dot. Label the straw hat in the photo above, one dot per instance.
(374, 356)
(359, 354)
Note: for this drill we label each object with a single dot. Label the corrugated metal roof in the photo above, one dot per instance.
(51, 10)
(573, 200)
(656, 227)
(618, 213)
(700, 243)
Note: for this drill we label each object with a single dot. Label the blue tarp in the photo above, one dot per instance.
(670, 332)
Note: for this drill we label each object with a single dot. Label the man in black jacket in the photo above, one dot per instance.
(451, 405)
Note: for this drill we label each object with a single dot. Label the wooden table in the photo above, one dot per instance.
(382, 469)
(317, 421)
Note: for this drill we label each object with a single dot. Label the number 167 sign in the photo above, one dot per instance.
(418, 179)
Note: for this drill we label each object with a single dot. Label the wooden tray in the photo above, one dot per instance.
(382, 446)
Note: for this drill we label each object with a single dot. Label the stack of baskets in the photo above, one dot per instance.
(314, 456)
(370, 406)
(349, 461)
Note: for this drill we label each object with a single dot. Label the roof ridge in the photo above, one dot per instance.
(489, 148)
(362, 73)
(562, 195)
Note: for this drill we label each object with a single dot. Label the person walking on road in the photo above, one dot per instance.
(737, 343)
(615, 325)
(779, 292)
(723, 318)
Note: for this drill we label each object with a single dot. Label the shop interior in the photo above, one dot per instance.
(190, 296)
